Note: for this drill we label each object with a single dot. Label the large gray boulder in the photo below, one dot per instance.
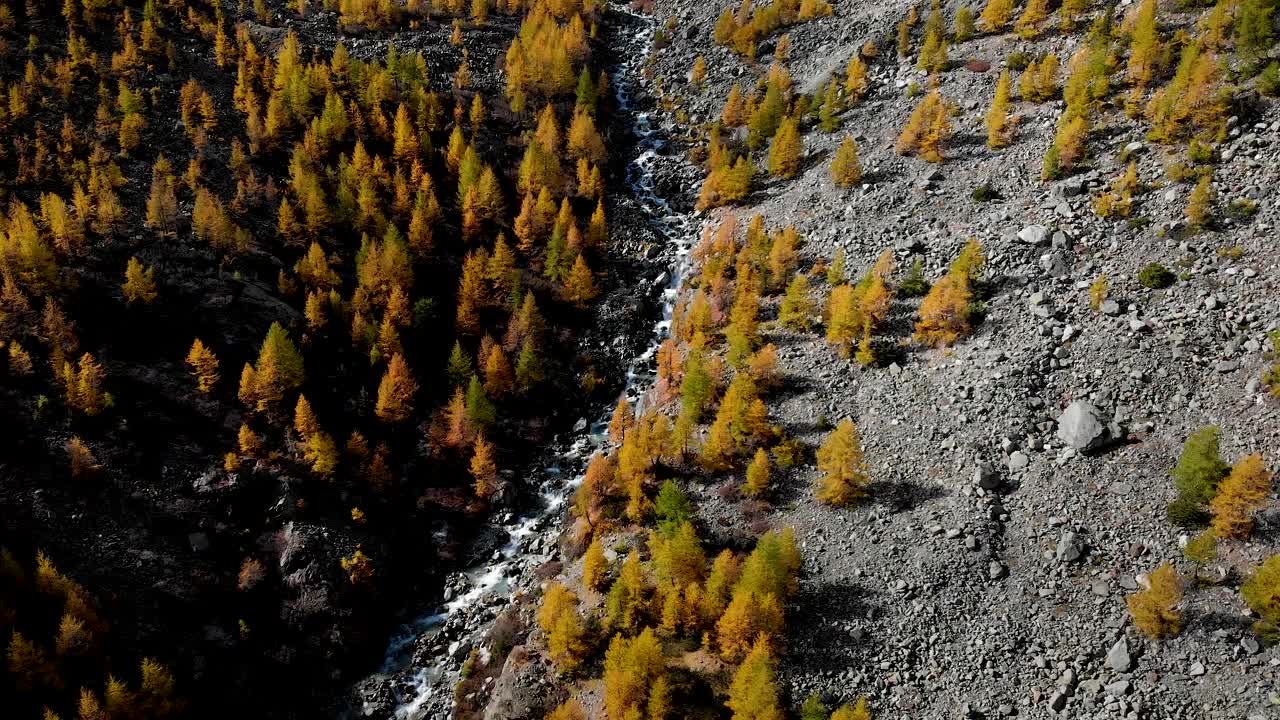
(1080, 426)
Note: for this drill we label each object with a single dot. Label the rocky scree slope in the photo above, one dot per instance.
(988, 571)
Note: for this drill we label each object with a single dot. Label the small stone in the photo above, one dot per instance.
(1099, 588)
(1110, 307)
(1080, 426)
(1070, 547)
(1118, 658)
(1033, 234)
(1250, 645)
(1018, 460)
(1055, 263)
(986, 477)
(1119, 688)
(995, 570)
(1057, 701)
(1197, 669)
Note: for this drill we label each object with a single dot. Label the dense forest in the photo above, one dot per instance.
(286, 291)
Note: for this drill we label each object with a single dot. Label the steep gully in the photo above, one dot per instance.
(421, 682)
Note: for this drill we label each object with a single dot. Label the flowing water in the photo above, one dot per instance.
(494, 579)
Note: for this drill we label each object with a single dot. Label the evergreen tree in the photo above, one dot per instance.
(828, 111)
(529, 370)
(480, 411)
(458, 368)
(766, 119)
(814, 709)
(672, 507)
(1200, 468)
(797, 308)
(1254, 27)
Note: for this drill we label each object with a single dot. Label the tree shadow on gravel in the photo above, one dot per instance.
(823, 623)
(1214, 620)
(904, 495)
(792, 384)
(813, 160)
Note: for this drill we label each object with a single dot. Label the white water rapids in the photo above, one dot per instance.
(486, 581)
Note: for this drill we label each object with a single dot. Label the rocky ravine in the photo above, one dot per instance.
(459, 657)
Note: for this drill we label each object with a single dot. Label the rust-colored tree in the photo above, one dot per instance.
(395, 391)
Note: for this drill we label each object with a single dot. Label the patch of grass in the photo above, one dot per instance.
(1155, 276)
(1201, 152)
(984, 193)
(1242, 209)
(1019, 60)
(1232, 252)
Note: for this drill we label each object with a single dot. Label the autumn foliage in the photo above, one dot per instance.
(1154, 609)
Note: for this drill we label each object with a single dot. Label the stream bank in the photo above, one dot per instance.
(473, 631)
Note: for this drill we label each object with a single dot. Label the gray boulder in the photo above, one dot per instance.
(1081, 427)
(1034, 234)
(1119, 658)
(1070, 547)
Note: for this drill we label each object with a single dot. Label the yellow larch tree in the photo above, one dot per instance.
(1154, 609)
(139, 283)
(1239, 495)
(483, 468)
(203, 366)
(997, 118)
(843, 467)
(395, 391)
